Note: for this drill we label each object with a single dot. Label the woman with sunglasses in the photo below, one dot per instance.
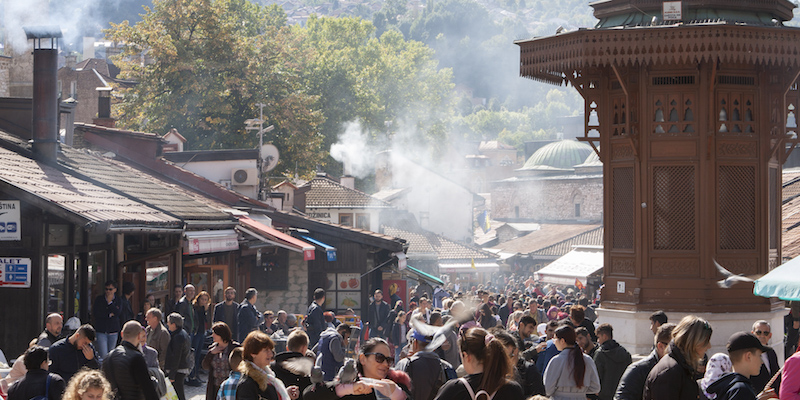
(258, 381)
(488, 370)
(675, 376)
(571, 374)
(376, 378)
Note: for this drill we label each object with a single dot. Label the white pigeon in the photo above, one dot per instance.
(730, 278)
(439, 333)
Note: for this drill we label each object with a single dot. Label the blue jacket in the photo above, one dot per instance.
(315, 321)
(327, 358)
(549, 352)
(247, 319)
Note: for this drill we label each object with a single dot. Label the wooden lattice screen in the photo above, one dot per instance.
(623, 203)
(674, 208)
(737, 207)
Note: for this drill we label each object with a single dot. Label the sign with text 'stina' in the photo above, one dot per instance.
(15, 272)
(9, 220)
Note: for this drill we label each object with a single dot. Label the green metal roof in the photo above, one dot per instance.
(564, 154)
(424, 275)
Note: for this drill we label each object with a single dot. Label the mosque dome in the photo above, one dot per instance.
(562, 155)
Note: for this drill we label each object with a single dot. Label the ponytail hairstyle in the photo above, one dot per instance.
(489, 351)
(567, 333)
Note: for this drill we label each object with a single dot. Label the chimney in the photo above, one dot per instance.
(70, 61)
(88, 47)
(348, 181)
(45, 90)
(104, 108)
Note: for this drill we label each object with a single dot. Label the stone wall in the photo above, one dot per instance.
(548, 199)
(295, 299)
(5, 64)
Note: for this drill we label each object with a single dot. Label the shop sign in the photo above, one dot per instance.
(211, 241)
(9, 220)
(672, 11)
(15, 272)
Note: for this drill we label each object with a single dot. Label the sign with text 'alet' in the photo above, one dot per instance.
(15, 272)
(9, 220)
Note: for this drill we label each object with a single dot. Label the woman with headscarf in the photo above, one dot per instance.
(719, 364)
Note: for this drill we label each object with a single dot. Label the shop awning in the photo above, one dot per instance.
(199, 242)
(460, 267)
(330, 251)
(275, 237)
(423, 275)
(579, 264)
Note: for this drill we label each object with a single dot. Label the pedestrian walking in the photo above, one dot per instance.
(69, 355)
(227, 390)
(38, 382)
(611, 360)
(744, 350)
(378, 316)
(675, 376)
(216, 359)
(202, 312)
(258, 381)
(125, 307)
(428, 372)
(178, 363)
(763, 331)
(249, 318)
(631, 385)
(315, 321)
(296, 349)
(106, 311)
(52, 330)
(488, 369)
(228, 312)
(330, 350)
(157, 335)
(126, 369)
(88, 384)
(571, 373)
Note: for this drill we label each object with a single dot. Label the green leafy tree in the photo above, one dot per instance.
(203, 65)
(387, 83)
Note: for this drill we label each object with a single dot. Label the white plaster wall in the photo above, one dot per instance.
(374, 215)
(632, 329)
(293, 300)
(219, 171)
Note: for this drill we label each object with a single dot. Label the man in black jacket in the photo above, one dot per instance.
(248, 317)
(763, 332)
(178, 363)
(378, 316)
(611, 360)
(52, 330)
(296, 349)
(70, 354)
(631, 385)
(315, 321)
(126, 369)
(34, 383)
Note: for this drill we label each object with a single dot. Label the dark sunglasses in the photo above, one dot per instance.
(108, 289)
(380, 358)
(759, 333)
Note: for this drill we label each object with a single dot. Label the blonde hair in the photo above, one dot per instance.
(690, 333)
(84, 380)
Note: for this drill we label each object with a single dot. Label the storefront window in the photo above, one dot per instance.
(56, 276)
(157, 272)
(97, 267)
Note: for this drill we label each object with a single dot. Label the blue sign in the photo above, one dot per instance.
(15, 272)
(331, 254)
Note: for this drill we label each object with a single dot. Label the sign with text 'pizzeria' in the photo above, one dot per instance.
(9, 220)
(15, 272)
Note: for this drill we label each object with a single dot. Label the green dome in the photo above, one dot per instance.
(561, 155)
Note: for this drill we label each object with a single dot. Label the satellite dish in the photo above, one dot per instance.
(269, 157)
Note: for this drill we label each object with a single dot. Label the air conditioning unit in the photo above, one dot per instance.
(244, 177)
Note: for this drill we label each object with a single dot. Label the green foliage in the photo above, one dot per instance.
(386, 83)
(208, 62)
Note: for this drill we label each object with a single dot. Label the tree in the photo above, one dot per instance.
(386, 83)
(201, 67)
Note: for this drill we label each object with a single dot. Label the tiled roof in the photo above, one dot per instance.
(548, 235)
(77, 196)
(593, 237)
(325, 193)
(790, 215)
(445, 249)
(140, 185)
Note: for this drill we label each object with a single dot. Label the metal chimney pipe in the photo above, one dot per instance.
(45, 91)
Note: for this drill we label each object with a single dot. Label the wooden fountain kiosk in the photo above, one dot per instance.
(692, 112)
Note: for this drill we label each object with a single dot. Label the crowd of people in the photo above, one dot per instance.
(521, 340)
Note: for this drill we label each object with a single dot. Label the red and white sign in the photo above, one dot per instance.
(672, 11)
(211, 241)
(308, 254)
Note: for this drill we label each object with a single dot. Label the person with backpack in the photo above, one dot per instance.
(487, 366)
(571, 374)
(38, 383)
(426, 369)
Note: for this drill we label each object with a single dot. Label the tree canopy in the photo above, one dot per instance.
(203, 65)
